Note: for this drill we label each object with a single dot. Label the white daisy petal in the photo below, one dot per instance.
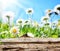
(57, 9)
(30, 34)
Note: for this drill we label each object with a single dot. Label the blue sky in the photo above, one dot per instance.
(39, 6)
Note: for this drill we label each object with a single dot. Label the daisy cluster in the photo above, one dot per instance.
(30, 28)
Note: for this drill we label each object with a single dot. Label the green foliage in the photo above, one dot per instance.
(42, 32)
(4, 27)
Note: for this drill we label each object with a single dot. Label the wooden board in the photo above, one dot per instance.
(30, 44)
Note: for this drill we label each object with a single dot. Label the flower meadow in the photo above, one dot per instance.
(30, 28)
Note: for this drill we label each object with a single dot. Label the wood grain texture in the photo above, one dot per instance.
(30, 44)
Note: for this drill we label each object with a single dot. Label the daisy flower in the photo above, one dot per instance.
(29, 11)
(20, 22)
(14, 30)
(8, 17)
(48, 23)
(57, 9)
(45, 19)
(27, 22)
(8, 14)
(48, 12)
(30, 34)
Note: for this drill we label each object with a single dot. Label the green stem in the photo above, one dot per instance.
(9, 22)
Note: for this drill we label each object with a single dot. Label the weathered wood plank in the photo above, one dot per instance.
(49, 46)
(30, 44)
(31, 40)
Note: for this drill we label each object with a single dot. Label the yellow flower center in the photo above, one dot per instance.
(14, 30)
(49, 10)
(58, 24)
